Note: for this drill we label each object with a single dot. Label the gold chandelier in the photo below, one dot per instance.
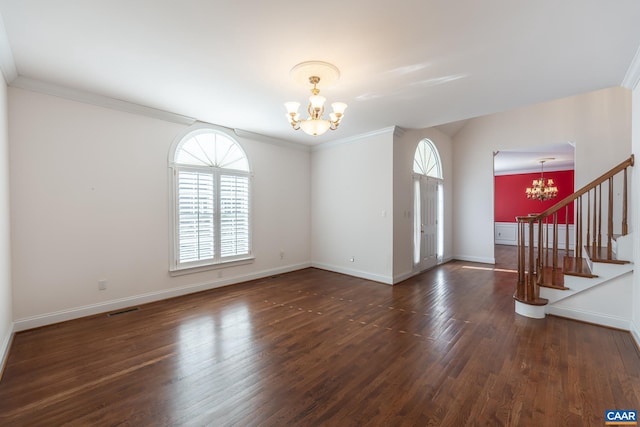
(315, 124)
(540, 189)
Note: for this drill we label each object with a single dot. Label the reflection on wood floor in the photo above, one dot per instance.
(313, 347)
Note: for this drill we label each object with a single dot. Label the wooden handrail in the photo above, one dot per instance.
(534, 268)
(590, 186)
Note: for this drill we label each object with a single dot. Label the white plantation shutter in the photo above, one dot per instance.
(196, 207)
(212, 221)
(234, 215)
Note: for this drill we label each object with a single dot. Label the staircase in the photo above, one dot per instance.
(554, 280)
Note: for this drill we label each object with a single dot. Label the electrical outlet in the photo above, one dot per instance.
(281, 254)
(102, 285)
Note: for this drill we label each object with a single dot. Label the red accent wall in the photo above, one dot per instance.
(511, 199)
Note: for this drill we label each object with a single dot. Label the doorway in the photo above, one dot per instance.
(428, 207)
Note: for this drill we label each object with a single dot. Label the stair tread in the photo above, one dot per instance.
(601, 255)
(576, 266)
(552, 279)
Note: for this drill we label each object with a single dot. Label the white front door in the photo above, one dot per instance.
(426, 219)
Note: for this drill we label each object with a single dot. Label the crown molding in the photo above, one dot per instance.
(398, 131)
(356, 138)
(632, 78)
(533, 170)
(270, 140)
(7, 63)
(129, 107)
(99, 100)
(47, 88)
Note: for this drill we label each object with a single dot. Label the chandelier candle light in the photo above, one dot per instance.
(540, 190)
(313, 72)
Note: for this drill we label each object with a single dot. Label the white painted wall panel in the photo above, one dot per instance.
(506, 233)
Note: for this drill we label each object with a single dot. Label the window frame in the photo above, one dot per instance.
(433, 150)
(218, 261)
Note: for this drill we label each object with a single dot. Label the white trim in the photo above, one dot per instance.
(356, 273)
(175, 267)
(589, 317)
(89, 310)
(7, 62)
(201, 127)
(632, 77)
(635, 333)
(447, 259)
(269, 140)
(40, 86)
(99, 100)
(468, 258)
(181, 271)
(531, 311)
(409, 274)
(506, 233)
(6, 346)
(533, 170)
(398, 131)
(404, 276)
(352, 139)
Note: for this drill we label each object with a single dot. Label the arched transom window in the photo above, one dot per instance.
(211, 200)
(426, 160)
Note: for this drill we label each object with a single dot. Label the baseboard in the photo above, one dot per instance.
(590, 317)
(635, 333)
(407, 275)
(89, 310)
(356, 273)
(6, 346)
(447, 259)
(404, 276)
(468, 258)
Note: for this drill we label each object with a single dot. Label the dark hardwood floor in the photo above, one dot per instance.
(312, 348)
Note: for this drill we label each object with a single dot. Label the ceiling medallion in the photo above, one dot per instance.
(314, 72)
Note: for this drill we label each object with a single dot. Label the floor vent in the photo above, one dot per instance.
(126, 310)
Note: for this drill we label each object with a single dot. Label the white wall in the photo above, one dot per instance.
(635, 217)
(352, 206)
(404, 149)
(90, 192)
(598, 122)
(6, 311)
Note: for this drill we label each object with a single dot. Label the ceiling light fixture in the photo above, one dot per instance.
(313, 72)
(540, 189)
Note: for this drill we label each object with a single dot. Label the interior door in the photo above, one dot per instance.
(425, 222)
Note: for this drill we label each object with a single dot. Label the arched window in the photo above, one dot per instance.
(426, 160)
(211, 200)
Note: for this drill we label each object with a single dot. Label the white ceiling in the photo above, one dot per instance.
(411, 63)
(526, 160)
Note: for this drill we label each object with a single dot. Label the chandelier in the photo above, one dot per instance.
(540, 189)
(313, 72)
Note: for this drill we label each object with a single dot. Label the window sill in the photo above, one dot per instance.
(202, 268)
